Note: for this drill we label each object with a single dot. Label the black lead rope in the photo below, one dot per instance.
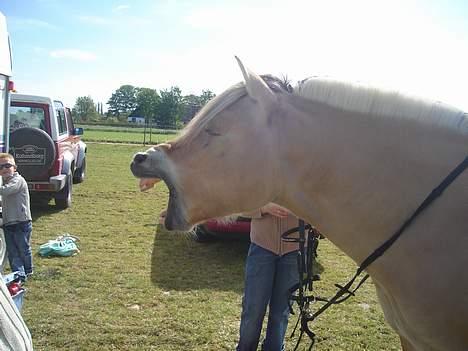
(305, 264)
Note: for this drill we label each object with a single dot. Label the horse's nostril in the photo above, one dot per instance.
(139, 158)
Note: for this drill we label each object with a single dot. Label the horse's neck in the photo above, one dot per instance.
(356, 176)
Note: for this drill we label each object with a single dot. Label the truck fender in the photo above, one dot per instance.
(81, 154)
(67, 162)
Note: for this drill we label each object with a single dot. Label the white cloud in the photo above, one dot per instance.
(96, 20)
(28, 23)
(73, 54)
(119, 22)
(121, 8)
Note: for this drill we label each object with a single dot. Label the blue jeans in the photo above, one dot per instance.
(17, 237)
(268, 278)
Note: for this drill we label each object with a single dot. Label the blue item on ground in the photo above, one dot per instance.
(64, 245)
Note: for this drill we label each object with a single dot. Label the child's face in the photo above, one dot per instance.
(7, 167)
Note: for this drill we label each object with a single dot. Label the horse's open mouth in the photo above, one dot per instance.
(173, 218)
(147, 183)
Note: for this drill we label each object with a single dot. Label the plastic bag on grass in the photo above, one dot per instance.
(64, 245)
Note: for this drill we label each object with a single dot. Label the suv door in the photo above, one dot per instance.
(74, 139)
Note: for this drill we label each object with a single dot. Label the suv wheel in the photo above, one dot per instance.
(80, 173)
(63, 199)
(34, 152)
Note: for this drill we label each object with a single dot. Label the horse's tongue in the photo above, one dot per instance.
(147, 183)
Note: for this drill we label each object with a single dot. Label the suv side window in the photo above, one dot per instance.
(61, 119)
(71, 126)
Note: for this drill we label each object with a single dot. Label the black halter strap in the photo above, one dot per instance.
(427, 201)
(304, 300)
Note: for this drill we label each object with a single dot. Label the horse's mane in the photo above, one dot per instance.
(220, 102)
(343, 95)
(377, 102)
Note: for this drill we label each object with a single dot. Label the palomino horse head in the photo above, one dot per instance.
(230, 127)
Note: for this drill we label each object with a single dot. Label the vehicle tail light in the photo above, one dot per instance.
(43, 187)
(57, 167)
(11, 86)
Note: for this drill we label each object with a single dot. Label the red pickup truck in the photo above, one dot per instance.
(47, 147)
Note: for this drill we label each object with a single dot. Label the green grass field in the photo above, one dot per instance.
(135, 286)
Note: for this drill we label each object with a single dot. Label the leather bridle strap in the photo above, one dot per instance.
(427, 201)
(387, 244)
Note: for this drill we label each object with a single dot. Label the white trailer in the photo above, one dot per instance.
(5, 82)
(14, 334)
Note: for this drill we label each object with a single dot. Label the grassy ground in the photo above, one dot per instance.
(135, 286)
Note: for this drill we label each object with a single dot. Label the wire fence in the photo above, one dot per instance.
(127, 133)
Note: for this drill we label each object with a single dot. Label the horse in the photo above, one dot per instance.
(355, 161)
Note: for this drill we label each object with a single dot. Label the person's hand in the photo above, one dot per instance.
(275, 210)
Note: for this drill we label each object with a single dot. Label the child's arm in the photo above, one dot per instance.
(13, 186)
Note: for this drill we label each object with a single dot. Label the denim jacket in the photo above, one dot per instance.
(15, 200)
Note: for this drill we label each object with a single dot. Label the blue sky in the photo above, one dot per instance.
(91, 47)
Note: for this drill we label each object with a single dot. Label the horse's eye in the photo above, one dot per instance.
(211, 132)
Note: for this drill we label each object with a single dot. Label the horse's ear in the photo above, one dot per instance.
(256, 87)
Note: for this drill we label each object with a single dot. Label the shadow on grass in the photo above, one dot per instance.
(42, 208)
(179, 263)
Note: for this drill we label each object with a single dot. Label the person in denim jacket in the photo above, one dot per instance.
(270, 271)
(16, 214)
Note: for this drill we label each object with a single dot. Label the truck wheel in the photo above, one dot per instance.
(63, 199)
(34, 152)
(80, 173)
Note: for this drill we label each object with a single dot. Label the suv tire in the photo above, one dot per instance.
(80, 173)
(36, 144)
(63, 199)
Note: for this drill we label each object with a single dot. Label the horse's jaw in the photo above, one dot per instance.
(176, 218)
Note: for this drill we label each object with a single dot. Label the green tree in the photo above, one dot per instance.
(193, 103)
(123, 101)
(206, 96)
(147, 101)
(169, 108)
(84, 109)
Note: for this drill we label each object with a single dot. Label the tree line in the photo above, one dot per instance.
(167, 108)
